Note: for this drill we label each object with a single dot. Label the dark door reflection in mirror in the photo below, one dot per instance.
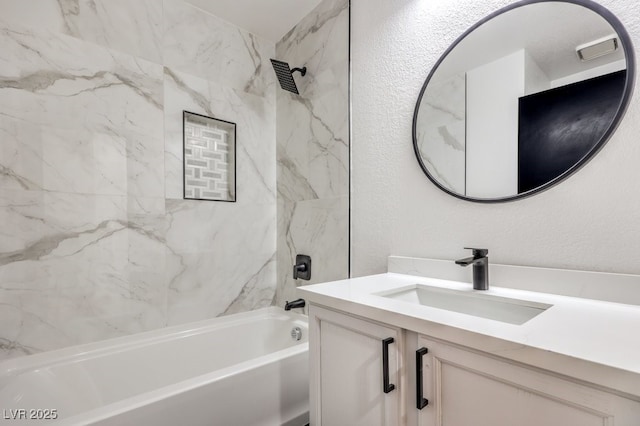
(559, 127)
(511, 108)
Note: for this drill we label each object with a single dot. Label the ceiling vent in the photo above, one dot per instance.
(597, 48)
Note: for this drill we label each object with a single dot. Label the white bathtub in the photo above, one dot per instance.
(244, 369)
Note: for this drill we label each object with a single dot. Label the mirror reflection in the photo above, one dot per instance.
(521, 101)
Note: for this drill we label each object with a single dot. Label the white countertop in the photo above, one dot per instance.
(591, 340)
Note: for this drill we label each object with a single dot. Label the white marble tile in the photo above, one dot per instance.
(321, 43)
(26, 327)
(329, 148)
(57, 240)
(139, 209)
(133, 27)
(20, 155)
(255, 133)
(225, 262)
(313, 150)
(257, 292)
(206, 289)
(441, 131)
(76, 266)
(81, 160)
(208, 47)
(89, 247)
(318, 228)
(62, 82)
(37, 223)
(247, 227)
(78, 118)
(313, 130)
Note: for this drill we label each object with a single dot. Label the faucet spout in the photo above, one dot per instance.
(298, 303)
(466, 261)
(480, 262)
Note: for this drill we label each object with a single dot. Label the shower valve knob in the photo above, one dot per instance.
(302, 268)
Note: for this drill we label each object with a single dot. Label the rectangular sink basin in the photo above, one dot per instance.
(512, 311)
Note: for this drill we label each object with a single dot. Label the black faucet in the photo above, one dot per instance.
(298, 303)
(480, 262)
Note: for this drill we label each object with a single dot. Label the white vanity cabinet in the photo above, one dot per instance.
(465, 387)
(350, 359)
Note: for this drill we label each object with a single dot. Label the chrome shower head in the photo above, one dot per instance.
(285, 75)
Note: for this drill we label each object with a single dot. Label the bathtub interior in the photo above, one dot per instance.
(87, 377)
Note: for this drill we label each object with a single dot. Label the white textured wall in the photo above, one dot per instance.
(590, 221)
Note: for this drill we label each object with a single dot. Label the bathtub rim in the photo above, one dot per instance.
(76, 353)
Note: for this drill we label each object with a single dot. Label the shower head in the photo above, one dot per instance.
(285, 75)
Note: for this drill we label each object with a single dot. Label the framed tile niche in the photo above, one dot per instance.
(209, 152)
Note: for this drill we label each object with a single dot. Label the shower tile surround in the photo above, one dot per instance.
(97, 241)
(313, 149)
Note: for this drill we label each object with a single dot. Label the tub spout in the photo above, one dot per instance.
(299, 303)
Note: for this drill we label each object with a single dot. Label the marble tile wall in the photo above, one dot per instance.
(440, 131)
(313, 149)
(95, 238)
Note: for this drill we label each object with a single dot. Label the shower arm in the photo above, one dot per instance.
(302, 70)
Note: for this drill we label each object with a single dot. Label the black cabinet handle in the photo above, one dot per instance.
(386, 386)
(421, 402)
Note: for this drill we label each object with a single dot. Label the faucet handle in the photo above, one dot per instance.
(478, 252)
(302, 268)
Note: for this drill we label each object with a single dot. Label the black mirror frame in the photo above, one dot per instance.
(622, 107)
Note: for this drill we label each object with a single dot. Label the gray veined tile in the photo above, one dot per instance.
(53, 241)
(132, 27)
(76, 268)
(89, 247)
(293, 183)
(223, 227)
(313, 147)
(324, 30)
(258, 292)
(313, 150)
(77, 118)
(318, 228)
(206, 272)
(228, 55)
(313, 131)
(20, 155)
(61, 82)
(255, 133)
(81, 161)
(25, 327)
(205, 288)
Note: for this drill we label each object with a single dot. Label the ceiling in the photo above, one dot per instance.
(270, 19)
(549, 32)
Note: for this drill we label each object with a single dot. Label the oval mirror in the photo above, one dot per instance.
(523, 99)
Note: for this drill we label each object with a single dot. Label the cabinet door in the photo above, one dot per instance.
(468, 388)
(350, 359)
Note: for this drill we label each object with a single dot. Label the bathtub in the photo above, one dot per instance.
(243, 369)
